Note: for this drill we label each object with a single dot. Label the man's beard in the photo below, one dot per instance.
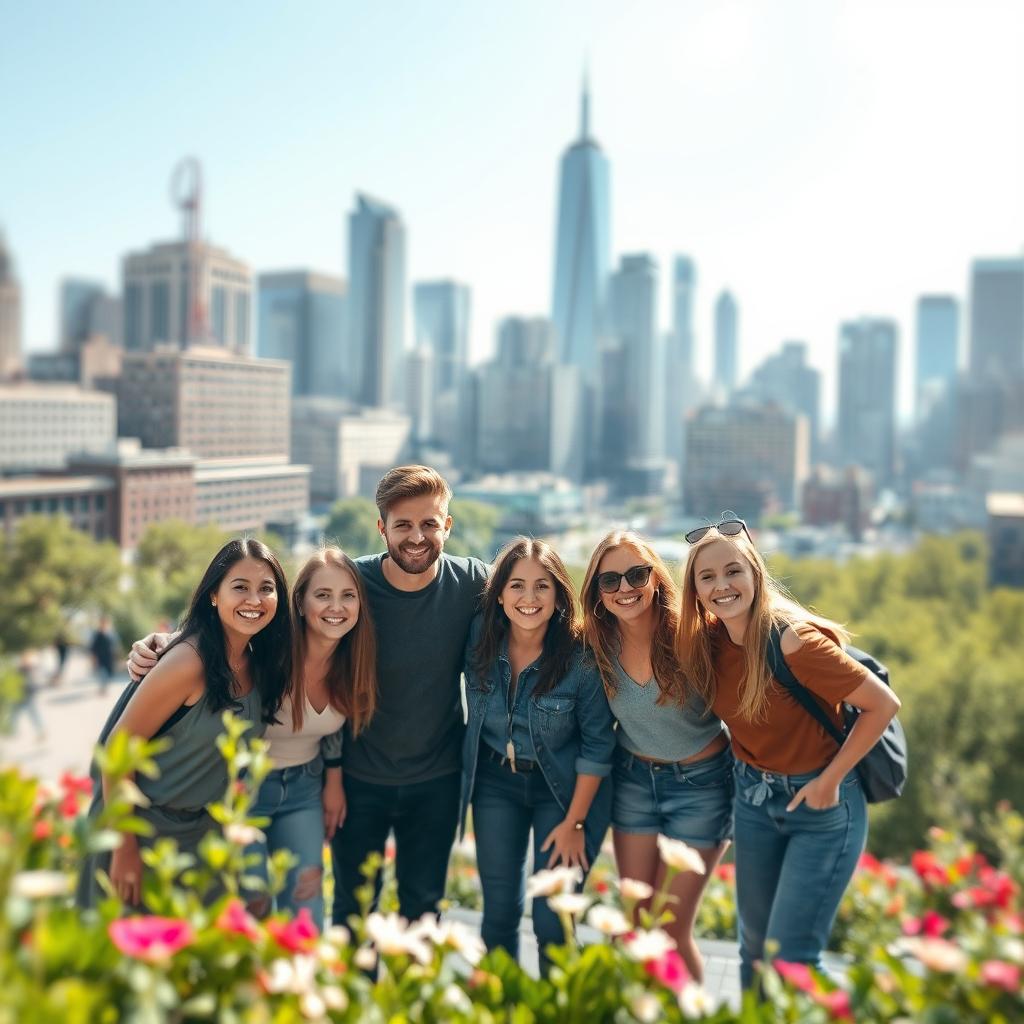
(414, 566)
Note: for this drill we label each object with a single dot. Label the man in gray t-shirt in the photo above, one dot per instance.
(402, 772)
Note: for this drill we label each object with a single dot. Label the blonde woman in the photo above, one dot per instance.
(673, 767)
(800, 815)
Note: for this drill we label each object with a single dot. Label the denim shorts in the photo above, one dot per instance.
(691, 802)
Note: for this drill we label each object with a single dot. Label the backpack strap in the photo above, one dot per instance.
(784, 675)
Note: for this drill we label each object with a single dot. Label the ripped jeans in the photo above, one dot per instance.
(291, 799)
(792, 867)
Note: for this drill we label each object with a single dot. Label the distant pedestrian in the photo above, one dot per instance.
(104, 647)
(61, 645)
(26, 703)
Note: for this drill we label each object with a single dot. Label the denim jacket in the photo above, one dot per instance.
(571, 725)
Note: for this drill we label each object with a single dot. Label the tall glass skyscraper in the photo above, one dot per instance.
(684, 281)
(582, 249)
(726, 343)
(997, 317)
(376, 321)
(938, 324)
(442, 326)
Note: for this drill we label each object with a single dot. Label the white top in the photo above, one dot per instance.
(289, 749)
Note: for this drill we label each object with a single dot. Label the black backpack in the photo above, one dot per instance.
(883, 769)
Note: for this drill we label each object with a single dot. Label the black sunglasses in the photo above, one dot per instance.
(635, 576)
(726, 527)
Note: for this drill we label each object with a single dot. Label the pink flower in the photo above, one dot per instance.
(930, 924)
(298, 935)
(234, 918)
(1001, 975)
(798, 975)
(150, 938)
(837, 1002)
(670, 970)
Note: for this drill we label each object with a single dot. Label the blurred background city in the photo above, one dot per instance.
(599, 264)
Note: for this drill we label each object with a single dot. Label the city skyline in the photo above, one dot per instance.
(813, 205)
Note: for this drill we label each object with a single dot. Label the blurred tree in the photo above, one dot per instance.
(49, 571)
(473, 529)
(352, 525)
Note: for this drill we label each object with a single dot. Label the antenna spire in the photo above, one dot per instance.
(585, 104)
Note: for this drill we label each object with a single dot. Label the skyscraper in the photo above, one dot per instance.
(442, 325)
(866, 424)
(376, 304)
(938, 323)
(10, 314)
(302, 319)
(582, 249)
(633, 304)
(684, 283)
(77, 298)
(726, 344)
(997, 317)
(786, 378)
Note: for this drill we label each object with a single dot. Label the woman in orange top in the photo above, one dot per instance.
(800, 816)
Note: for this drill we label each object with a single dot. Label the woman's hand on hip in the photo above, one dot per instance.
(567, 846)
(819, 794)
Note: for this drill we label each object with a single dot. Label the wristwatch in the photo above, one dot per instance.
(578, 825)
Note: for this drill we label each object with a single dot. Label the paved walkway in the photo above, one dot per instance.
(74, 712)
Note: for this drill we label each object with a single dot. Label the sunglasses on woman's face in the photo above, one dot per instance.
(635, 576)
(727, 528)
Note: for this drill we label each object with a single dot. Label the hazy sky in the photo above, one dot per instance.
(824, 160)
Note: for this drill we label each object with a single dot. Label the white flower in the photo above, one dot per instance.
(39, 885)
(457, 999)
(312, 1006)
(1013, 949)
(608, 920)
(634, 889)
(676, 854)
(571, 903)
(553, 880)
(695, 1001)
(645, 1007)
(242, 835)
(334, 996)
(392, 936)
(936, 954)
(337, 935)
(365, 959)
(453, 935)
(649, 945)
(465, 847)
(297, 975)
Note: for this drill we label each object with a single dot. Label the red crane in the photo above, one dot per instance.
(187, 195)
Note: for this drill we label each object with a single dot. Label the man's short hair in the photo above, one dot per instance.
(410, 482)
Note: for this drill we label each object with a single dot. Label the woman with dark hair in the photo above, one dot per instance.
(233, 653)
(673, 766)
(539, 740)
(334, 678)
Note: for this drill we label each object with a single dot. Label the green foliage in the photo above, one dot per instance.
(48, 571)
(352, 525)
(473, 529)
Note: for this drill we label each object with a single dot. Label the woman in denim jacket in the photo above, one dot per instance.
(539, 740)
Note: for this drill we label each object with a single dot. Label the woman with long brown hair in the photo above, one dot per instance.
(539, 740)
(333, 680)
(800, 816)
(673, 768)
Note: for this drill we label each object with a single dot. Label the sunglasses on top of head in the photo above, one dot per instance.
(635, 576)
(726, 527)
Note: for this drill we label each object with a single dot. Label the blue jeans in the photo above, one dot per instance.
(423, 816)
(506, 807)
(291, 799)
(792, 867)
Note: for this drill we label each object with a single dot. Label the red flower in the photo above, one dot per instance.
(1001, 975)
(869, 862)
(930, 924)
(798, 975)
(928, 868)
(837, 1002)
(68, 806)
(298, 935)
(601, 887)
(150, 938)
(42, 829)
(669, 970)
(76, 784)
(234, 918)
(726, 872)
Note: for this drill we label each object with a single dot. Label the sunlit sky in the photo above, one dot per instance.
(823, 160)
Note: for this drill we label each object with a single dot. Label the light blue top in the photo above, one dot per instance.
(667, 731)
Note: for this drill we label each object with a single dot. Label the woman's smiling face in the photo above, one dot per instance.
(724, 580)
(528, 597)
(627, 603)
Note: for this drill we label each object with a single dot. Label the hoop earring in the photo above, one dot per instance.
(599, 611)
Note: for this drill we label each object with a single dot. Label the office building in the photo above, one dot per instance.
(938, 330)
(347, 448)
(1006, 539)
(831, 497)
(681, 386)
(420, 394)
(215, 404)
(77, 300)
(10, 314)
(442, 326)
(376, 304)
(726, 372)
(302, 319)
(160, 307)
(88, 502)
(997, 317)
(582, 250)
(786, 378)
(749, 457)
(866, 425)
(252, 493)
(42, 424)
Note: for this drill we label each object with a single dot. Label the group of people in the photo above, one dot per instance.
(642, 703)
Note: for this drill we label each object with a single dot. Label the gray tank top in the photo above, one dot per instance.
(666, 732)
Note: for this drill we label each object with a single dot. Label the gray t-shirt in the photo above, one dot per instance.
(416, 732)
(667, 731)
